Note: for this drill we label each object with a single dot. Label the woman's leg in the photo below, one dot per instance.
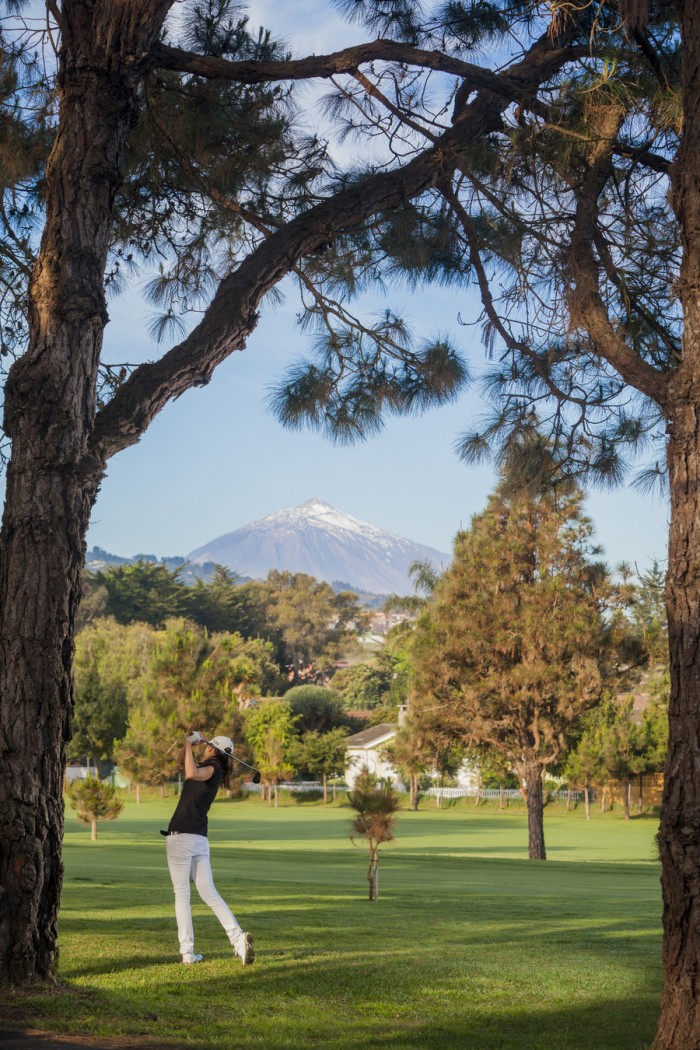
(204, 881)
(179, 852)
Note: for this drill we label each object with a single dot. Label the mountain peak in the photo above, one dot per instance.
(315, 503)
(322, 541)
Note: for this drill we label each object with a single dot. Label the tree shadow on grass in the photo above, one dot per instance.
(292, 1004)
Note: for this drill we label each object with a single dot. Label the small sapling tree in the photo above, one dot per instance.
(376, 808)
(92, 801)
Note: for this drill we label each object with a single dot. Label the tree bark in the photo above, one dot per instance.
(587, 801)
(626, 789)
(679, 833)
(532, 775)
(93, 830)
(51, 482)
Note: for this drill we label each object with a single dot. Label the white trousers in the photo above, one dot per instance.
(188, 856)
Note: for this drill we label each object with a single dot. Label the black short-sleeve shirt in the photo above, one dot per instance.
(190, 816)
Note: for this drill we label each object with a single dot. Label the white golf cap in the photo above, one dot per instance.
(223, 744)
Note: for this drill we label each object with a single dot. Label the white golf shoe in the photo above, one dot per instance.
(243, 947)
(190, 958)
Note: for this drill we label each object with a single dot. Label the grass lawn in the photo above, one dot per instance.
(471, 946)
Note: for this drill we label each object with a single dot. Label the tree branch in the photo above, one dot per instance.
(651, 160)
(509, 85)
(232, 314)
(586, 307)
(516, 346)
(374, 92)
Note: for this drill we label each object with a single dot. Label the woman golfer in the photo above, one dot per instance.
(187, 846)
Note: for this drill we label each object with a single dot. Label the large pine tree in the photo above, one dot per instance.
(513, 647)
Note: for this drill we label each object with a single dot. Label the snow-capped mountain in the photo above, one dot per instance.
(322, 541)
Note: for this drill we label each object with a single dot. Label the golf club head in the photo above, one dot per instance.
(256, 777)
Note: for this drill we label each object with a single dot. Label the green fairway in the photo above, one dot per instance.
(471, 946)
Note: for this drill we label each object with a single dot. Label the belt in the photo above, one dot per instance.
(166, 833)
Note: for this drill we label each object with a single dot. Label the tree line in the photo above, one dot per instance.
(156, 657)
(308, 625)
(140, 688)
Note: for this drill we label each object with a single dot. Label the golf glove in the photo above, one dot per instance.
(195, 738)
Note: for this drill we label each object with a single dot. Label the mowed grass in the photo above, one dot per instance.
(471, 946)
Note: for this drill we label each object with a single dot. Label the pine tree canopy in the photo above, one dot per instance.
(541, 182)
(514, 646)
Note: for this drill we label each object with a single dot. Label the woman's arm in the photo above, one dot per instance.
(192, 770)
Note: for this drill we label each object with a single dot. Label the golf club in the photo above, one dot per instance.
(256, 772)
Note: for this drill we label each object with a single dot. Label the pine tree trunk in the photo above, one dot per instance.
(679, 833)
(587, 801)
(93, 830)
(532, 774)
(325, 789)
(626, 788)
(603, 797)
(52, 482)
(40, 562)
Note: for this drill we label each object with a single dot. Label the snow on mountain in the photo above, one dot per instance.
(322, 541)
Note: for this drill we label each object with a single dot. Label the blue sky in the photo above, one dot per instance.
(216, 459)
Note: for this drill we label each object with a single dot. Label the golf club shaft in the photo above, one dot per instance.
(257, 771)
(236, 759)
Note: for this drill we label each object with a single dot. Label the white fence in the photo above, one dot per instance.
(435, 792)
(472, 792)
(303, 787)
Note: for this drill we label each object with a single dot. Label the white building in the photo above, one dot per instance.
(366, 749)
